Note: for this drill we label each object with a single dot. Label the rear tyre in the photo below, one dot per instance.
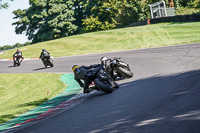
(102, 86)
(125, 72)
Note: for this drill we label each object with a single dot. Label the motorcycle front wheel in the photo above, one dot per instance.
(125, 72)
(51, 63)
(102, 86)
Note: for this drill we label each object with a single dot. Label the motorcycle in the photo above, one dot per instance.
(101, 81)
(118, 68)
(48, 61)
(17, 60)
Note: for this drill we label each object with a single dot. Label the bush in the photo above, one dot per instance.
(93, 24)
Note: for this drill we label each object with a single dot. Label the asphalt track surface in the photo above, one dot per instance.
(162, 97)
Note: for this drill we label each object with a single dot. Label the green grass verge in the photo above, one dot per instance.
(22, 92)
(153, 35)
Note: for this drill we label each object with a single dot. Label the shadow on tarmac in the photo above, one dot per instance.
(168, 103)
(40, 68)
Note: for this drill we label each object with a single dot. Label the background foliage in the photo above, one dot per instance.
(46, 20)
(51, 19)
(17, 45)
(4, 5)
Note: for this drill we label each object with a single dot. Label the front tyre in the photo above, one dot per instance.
(125, 72)
(14, 63)
(102, 86)
(51, 63)
(18, 62)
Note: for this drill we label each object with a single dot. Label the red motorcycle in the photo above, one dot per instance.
(17, 60)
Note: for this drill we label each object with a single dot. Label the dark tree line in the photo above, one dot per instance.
(17, 45)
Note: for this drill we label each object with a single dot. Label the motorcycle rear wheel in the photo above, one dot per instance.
(102, 86)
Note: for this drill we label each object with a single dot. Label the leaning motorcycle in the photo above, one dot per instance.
(48, 61)
(17, 60)
(102, 81)
(118, 68)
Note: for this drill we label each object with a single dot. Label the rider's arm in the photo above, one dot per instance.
(40, 55)
(14, 54)
(79, 81)
(91, 66)
(22, 56)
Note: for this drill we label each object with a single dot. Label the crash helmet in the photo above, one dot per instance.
(43, 50)
(76, 69)
(103, 60)
(18, 50)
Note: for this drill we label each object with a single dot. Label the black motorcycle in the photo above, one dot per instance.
(102, 81)
(48, 61)
(118, 68)
(17, 60)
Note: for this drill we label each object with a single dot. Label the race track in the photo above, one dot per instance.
(162, 97)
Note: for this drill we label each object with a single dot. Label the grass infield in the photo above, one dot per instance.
(22, 92)
(153, 35)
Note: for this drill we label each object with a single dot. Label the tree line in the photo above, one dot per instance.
(51, 19)
(17, 45)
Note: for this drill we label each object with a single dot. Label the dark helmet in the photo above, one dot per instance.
(43, 50)
(103, 60)
(76, 69)
(18, 50)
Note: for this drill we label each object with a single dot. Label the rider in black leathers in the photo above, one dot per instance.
(44, 54)
(109, 70)
(18, 54)
(80, 73)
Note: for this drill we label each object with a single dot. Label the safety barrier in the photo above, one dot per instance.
(178, 18)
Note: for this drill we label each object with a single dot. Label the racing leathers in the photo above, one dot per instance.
(82, 75)
(88, 74)
(44, 54)
(18, 54)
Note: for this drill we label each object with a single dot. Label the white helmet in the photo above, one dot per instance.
(103, 60)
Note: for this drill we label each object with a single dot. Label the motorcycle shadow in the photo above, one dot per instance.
(40, 68)
(12, 66)
(97, 94)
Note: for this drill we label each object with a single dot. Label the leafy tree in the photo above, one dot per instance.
(102, 16)
(116, 13)
(132, 11)
(93, 24)
(46, 20)
(4, 5)
(82, 10)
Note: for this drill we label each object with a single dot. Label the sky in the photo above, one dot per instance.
(7, 30)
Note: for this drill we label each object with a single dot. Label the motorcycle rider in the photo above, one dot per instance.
(44, 54)
(104, 60)
(80, 73)
(109, 70)
(18, 54)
